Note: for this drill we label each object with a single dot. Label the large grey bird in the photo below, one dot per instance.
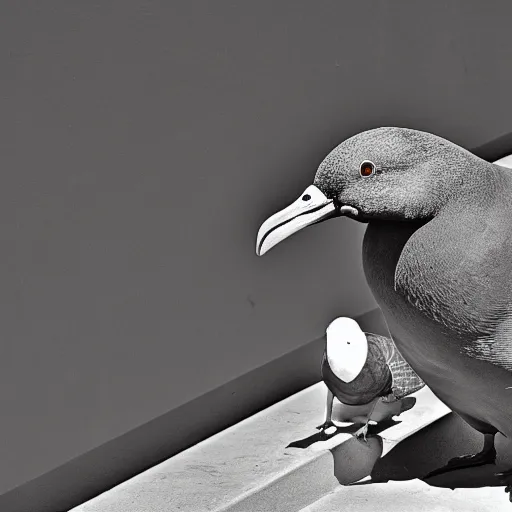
(437, 256)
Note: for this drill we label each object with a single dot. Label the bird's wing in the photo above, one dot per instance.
(405, 379)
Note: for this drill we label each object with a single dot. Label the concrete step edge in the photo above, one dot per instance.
(251, 467)
(296, 488)
(303, 484)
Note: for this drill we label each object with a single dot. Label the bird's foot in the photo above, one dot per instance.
(466, 461)
(325, 425)
(362, 432)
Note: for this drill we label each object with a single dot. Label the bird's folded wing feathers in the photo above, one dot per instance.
(405, 379)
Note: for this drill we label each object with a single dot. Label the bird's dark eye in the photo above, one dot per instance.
(367, 168)
(306, 197)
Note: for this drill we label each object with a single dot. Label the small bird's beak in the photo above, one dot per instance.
(310, 208)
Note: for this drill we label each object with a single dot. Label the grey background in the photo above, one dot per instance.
(142, 145)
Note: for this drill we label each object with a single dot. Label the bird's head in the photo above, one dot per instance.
(381, 174)
(346, 349)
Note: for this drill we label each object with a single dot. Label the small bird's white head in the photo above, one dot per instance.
(347, 348)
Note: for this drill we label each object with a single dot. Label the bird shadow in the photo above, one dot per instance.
(373, 430)
(425, 451)
(413, 458)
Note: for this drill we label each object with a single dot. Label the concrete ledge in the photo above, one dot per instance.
(251, 466)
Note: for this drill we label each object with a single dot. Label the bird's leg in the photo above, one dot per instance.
(486, 456)
(328, 413)
(391, 397)
(364, 429)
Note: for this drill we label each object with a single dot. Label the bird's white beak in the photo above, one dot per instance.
(310, 208)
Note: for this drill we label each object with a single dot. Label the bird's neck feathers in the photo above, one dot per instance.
(477, 188)
(448, 176)
(448, 181)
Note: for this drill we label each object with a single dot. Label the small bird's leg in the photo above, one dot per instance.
(391, 397)
(364, 429)
(328, 413)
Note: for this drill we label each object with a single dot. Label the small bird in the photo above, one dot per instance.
(437, 258)
(367, 374)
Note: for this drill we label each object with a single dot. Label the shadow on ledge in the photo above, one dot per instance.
(373, 430)
(415, 457)
(428, 449)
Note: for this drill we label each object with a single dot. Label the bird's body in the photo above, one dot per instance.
(359, 383)
(461, 348)
(385, 372)
(437, 256)
(448, 283)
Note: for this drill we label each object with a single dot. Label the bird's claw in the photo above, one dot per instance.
(362, 432)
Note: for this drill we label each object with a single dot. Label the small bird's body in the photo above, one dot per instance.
(362, 369)
(437, 256)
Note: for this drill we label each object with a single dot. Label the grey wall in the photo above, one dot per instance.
(142, 145)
